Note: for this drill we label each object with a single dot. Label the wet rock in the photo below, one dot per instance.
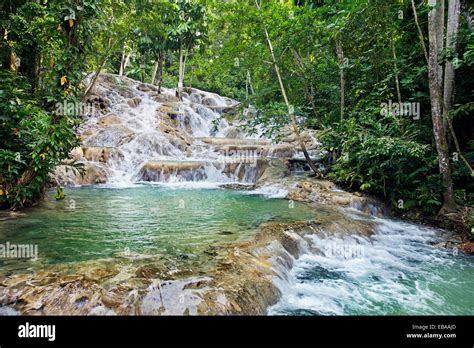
(112, 136)
(233, 133)
(98, 273)
(75, 298)
(468, 248)
(134, 102)
(144, 87)
(150, 271)
(109, 120)
(195, 98)
(99, 102)
(100, 154)
(211, 251)
(325, 192)
(226, 233)
(8, 296)
(87, 133)
(154, 170)
(76, 154)
(165, 98)
(234, 142)
(70, 279)
(238, 186)
(275, 170)
(170, 109)
(93, 173)
(209, 101)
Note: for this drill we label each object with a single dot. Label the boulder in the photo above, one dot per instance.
(275, 170)
(145, 87)
(209, 101)
(87, 133)
(76, 154)
(109, 120)
(112, 136)
(162, 170)
(93, 173)
(100, 154)
(165, 98)
(170, 109)
(134, 102)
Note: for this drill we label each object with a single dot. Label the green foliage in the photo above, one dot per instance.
(374, 157)
(226, 52)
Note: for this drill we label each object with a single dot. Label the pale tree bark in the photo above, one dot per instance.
(454, 12)
(122, 61)
(125, 60)
(248, 85)
(291, 114)
(340, 57)
(110, 48)
(395, 69)
(182, 66)
(435, 19)
(155, 71)
(440, 92)
(180, 73)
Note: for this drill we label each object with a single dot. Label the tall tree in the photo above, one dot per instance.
(435, 74)
(291, 113)
(454, 11)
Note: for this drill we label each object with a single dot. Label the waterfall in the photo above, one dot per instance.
(146, 136)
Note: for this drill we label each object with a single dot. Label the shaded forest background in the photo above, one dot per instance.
(334, 65)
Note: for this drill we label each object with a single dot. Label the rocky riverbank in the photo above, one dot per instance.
(230, 279)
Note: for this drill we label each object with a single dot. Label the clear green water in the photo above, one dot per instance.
(397, 272)
(94, 222)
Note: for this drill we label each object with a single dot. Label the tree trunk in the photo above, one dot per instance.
(291, 114)
(249, 80)
(161, 59)
(395, 68)
(340, 56)
(99, 69)
(454, 11)
(127, 61)
(440, 92)
(435, 19)
(122, 61)
(181, 68)
(307, 86)
(155, 70)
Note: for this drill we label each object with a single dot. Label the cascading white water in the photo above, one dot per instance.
(160, 138)
(395, 271)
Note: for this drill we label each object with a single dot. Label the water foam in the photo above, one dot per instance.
(397, 271)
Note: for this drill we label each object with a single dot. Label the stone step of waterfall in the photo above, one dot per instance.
(233, 141)
(164, 170)
(249, 147)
